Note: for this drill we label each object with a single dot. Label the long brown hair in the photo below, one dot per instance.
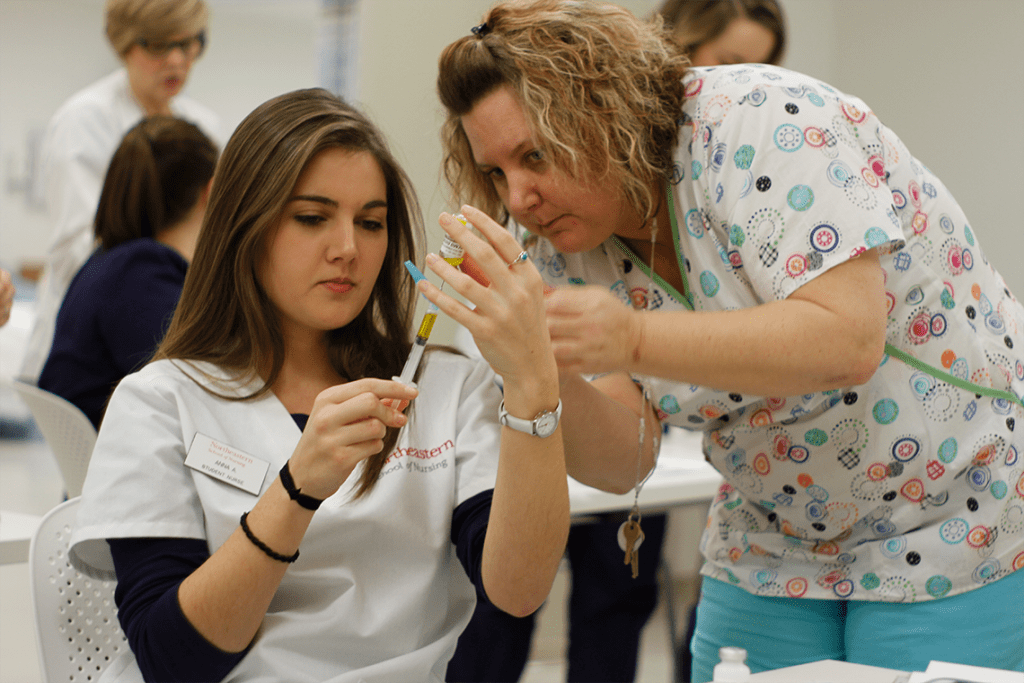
(154, 179)
(225, 318)
(602, 92)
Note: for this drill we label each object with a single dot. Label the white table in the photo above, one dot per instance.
(681, 477)
(829, 671)
(16, 529)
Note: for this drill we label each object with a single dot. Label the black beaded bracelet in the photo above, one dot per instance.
(308, 502)
(263, 546)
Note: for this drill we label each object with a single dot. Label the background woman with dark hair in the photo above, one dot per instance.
(713, 32)
(119, 304)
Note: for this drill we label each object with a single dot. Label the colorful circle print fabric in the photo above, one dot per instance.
(906, 488)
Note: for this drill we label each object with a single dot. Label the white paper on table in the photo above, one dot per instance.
(938, 671)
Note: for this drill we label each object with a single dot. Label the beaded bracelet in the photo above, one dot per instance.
(295, 493)
(263, 546)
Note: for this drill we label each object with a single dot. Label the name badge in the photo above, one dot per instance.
(227, 464)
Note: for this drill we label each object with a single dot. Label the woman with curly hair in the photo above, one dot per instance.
(759, 255)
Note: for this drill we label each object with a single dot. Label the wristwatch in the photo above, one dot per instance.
(543, 425)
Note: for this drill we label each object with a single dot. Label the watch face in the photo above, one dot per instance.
(546, 424)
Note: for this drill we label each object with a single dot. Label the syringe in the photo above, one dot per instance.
(451, 252)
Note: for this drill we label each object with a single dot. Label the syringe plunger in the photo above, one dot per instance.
(411, 364)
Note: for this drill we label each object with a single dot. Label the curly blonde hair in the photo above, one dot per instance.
(602, 91)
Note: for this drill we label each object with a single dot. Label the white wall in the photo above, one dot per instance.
(41, 64)
(944, 74)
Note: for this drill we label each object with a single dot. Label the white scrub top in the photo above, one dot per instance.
(79, 142)
(378, 593)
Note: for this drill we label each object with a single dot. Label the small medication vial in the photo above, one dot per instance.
(452, 251)
(732, 668)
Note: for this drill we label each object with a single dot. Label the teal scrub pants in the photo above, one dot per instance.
(983, 627)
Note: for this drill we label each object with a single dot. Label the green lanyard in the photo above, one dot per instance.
(976, 389)
(683, 298)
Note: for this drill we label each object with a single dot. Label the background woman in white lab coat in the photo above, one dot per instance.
(157, 41)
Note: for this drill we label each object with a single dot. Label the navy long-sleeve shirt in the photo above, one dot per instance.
(114, 315)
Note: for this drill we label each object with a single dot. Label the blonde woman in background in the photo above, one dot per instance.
(157, 42)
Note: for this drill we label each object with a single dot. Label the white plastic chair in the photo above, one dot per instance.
(76, 619)
(68, 432)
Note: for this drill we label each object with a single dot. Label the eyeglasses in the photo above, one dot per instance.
(191, 47)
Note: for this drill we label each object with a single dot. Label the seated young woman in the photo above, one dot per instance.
(118, 306)
(266, 426)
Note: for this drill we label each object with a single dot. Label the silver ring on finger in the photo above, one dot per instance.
(522, 257)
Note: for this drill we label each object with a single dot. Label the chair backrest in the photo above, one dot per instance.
(76, 619)
(68, 432)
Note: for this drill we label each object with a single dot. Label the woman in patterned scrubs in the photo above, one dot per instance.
(821, 309)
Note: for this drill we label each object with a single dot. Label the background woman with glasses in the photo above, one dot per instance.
(158, 41)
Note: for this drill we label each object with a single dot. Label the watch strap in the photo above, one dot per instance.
(527, 426)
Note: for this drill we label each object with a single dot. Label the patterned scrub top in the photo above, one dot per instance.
(905, 488)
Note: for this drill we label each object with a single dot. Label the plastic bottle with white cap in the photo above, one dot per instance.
(732, 668)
